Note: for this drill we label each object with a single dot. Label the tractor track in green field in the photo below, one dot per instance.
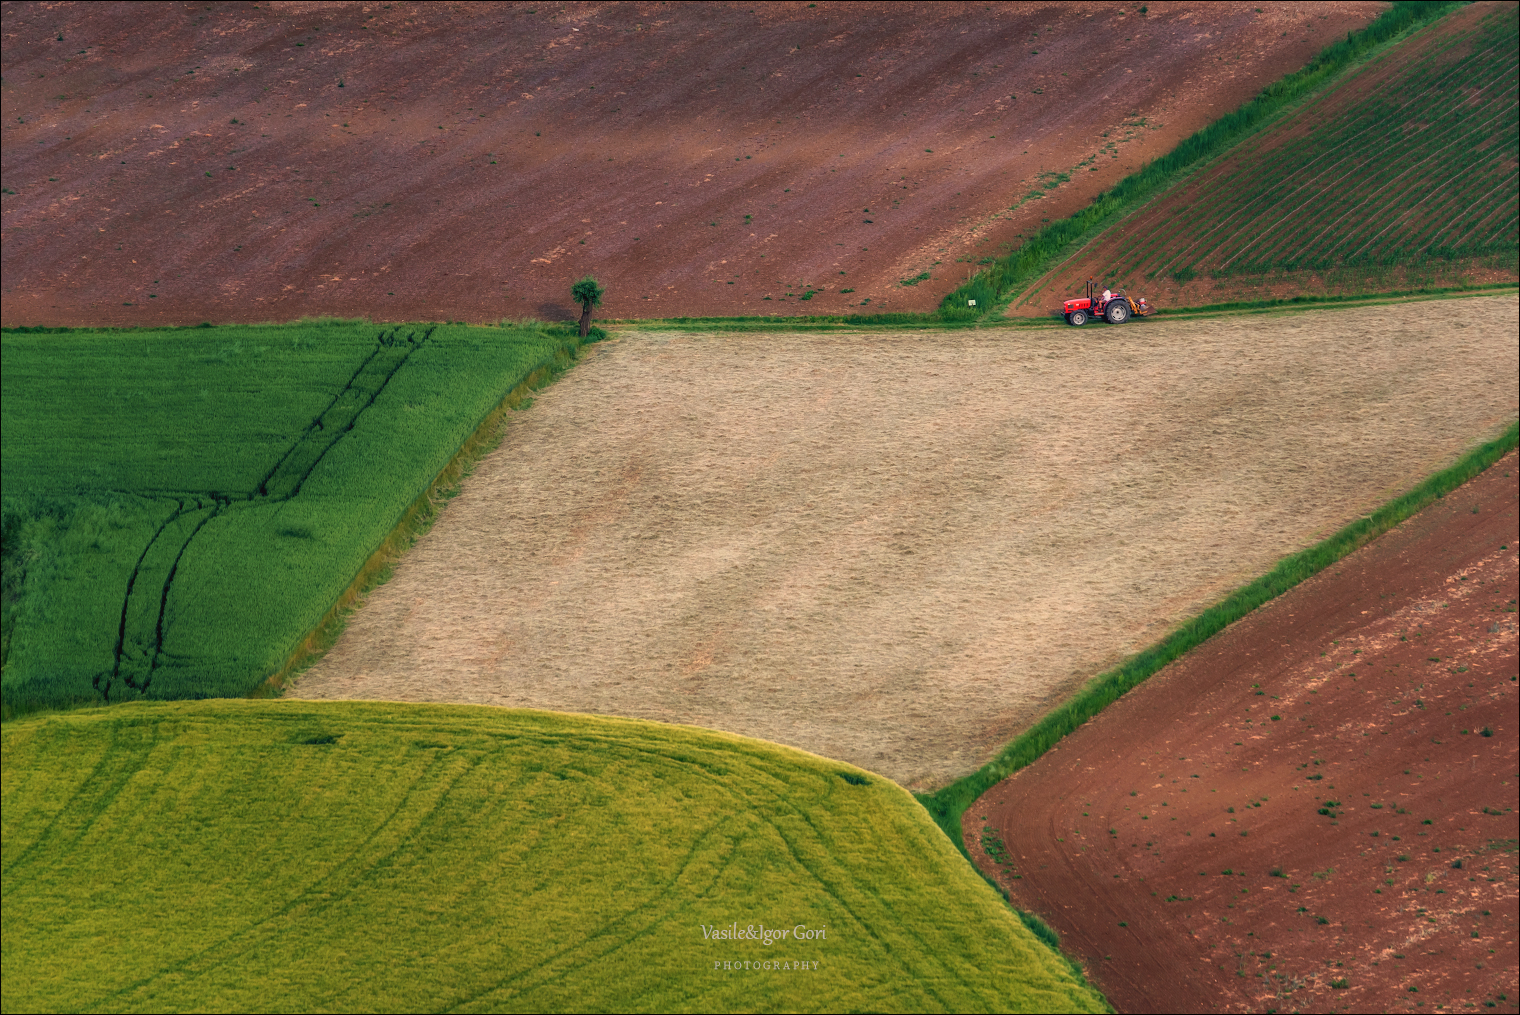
(392, 350)
(140, 632)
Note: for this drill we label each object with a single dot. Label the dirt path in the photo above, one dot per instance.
(436, 161)
(1335, 736)
(898, 549)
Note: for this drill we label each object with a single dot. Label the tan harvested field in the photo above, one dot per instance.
(898, 549)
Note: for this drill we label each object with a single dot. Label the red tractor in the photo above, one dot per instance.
(1114, 307)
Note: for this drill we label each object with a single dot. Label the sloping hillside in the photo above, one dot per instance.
(238, 856)
(169, 163)
(182, 510)
(1403, 173)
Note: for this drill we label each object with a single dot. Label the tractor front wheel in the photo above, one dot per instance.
(1078, 318)
(1118, 312)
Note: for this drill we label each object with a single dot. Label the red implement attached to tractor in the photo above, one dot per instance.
(1113, 307)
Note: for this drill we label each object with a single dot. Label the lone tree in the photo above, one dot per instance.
(588, 293)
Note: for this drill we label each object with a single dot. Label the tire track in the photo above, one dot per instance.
(144, 609)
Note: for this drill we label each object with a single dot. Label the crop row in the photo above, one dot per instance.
(1232, 184)
(1316, 200)
(1412, 158)
(1338, 151)
(1339, 218)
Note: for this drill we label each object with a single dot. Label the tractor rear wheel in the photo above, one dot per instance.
(1118, 311)
(1078, 318)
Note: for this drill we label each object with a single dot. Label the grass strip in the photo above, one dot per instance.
(1054, 320)
(1008, 276)
(1341, 298)
(811, 322)
(948, 804)
(420, 516)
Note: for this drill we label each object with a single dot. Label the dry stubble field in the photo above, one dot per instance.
(898, 549)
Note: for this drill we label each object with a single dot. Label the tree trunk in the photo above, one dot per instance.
(585, 319)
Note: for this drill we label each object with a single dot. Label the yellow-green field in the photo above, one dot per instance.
(372, 856)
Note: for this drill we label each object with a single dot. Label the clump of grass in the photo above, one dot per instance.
(1041, 929)
(992, 845)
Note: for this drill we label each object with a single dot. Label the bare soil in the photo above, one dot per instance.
(1315, 810)
(898, 549)
(173, 164)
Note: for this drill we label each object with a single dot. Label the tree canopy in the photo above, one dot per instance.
(588, 291)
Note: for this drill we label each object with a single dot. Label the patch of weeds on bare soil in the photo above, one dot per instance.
(992, 845)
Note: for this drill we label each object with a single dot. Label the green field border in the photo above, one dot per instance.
(812, 322)
(1295, 304)
(947, 805)
(420, 516)
(1333, 302)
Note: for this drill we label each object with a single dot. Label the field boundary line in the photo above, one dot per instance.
(418, 518)
(1053, 322)
(1286, 306)
(948, 804)
(1298, 303)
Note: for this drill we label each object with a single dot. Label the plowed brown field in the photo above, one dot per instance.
(1212, 219)
(1315, 810)
(176, 163)
(898, 550)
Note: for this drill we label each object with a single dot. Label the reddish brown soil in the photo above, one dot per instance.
(468, 161)
(1116, 252)
(1149, 837)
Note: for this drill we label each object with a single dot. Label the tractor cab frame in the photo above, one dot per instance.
(1114, 307)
